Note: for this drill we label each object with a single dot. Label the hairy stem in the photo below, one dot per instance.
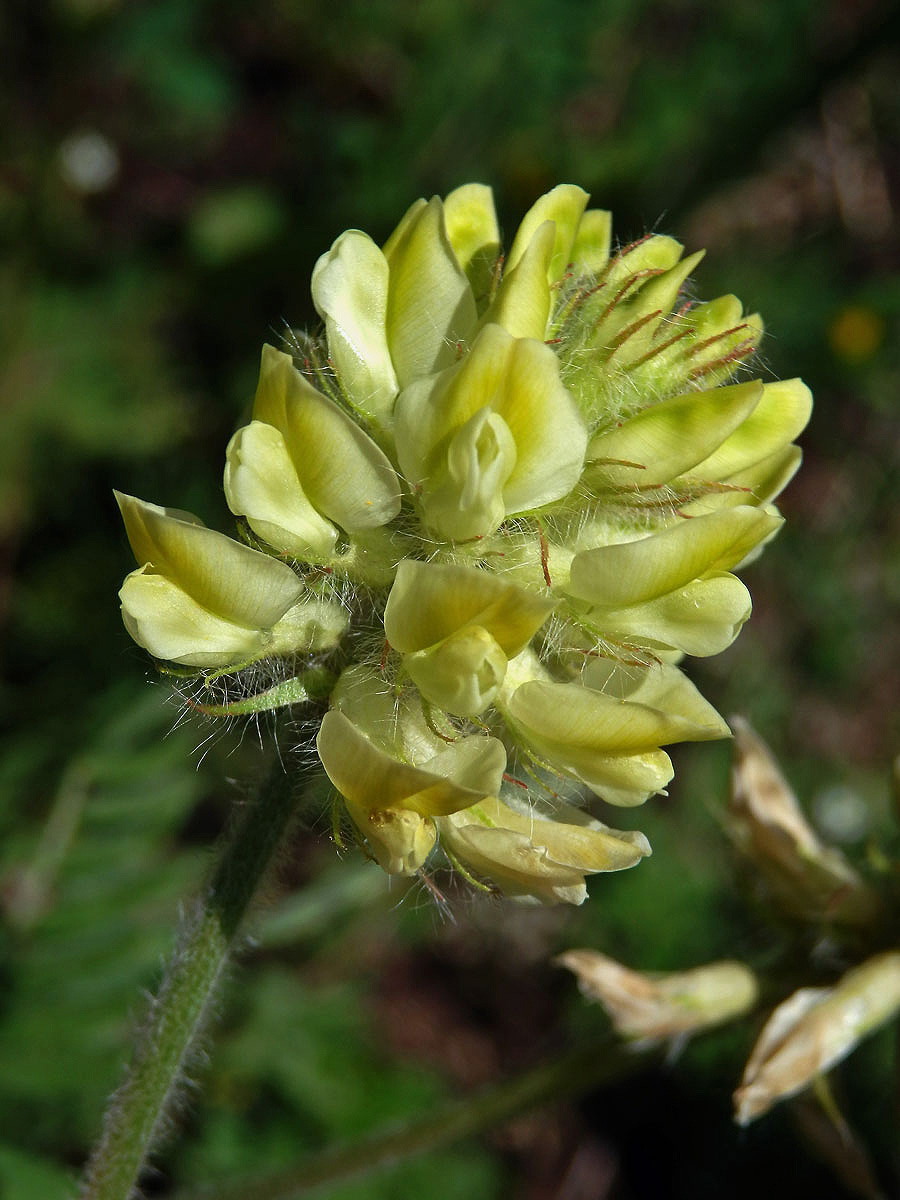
(600, 1062)
(140, 1108)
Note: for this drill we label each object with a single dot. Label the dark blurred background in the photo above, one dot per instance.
(170, 173)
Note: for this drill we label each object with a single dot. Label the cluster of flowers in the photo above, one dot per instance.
(507, 494)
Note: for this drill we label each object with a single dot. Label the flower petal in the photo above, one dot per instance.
(462, 674)
(574, 716)
(474, 234)
(341, 470)
(782, 413)
(530, 857)
(475, 762)
(522, 303)
(430, 303)
(564, 205)
(261, 484)
(611, 745)
(228, 579)
(633, 572)
(464, 497)
(660, 686)
(758, 484)
(590, 253)
(430, 601)
(625, 780)
(668, 439)
(701, 618)
(167, 622)
(350, 292)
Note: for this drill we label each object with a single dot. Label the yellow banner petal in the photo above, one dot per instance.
(633, 572)
(431, 601)
(430, 302)
(223, 576)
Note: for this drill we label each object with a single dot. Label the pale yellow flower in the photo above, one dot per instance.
(201, 599)
(456, 627)
(493, 436)
(393, 803)
(303, 471)
(530, 857)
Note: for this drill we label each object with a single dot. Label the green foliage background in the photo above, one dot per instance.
(245, 138)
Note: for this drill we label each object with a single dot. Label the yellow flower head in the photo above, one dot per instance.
(502, 496)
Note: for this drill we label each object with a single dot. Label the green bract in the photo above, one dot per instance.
(499, 498)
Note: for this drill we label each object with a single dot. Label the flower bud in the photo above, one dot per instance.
(664, 1005)
(813, 1030)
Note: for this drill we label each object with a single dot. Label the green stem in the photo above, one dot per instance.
(602, 1061)
(142, 1106)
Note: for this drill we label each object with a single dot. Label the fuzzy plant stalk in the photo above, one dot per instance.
(170, 1042)
(485, 512)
